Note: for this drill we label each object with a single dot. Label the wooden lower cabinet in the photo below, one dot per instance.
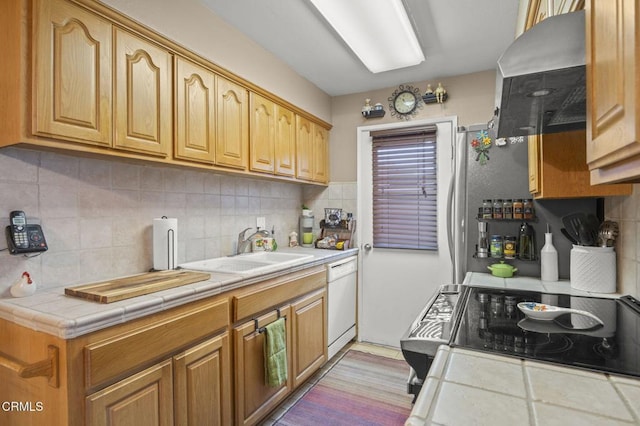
(202, 383)
(143, 399)
(197, 364)
(309, 329)
(254, 399)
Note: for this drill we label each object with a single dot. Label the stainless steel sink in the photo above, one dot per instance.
(249, 264)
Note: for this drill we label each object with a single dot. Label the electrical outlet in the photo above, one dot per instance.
(261, 223)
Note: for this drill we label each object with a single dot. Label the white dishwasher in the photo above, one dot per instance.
(342, 283)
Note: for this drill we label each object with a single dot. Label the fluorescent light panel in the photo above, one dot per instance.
(378, 31)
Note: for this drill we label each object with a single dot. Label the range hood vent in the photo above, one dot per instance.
(541, 80)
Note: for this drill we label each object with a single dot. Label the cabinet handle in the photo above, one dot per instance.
(46, 368)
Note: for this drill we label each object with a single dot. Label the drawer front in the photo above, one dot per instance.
(124, 353)
(259, 300)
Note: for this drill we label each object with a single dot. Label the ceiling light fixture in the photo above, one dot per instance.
(379, 33)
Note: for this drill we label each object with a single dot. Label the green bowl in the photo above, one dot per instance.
(502, 270)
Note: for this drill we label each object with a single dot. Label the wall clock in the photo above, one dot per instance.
(405, 101)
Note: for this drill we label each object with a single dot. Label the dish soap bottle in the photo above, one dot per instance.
(549, 259)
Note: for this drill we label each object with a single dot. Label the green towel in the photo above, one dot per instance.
(275, 353)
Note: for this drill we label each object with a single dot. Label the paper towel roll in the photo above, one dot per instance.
(165, 243)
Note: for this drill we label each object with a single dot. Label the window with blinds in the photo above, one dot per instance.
(405, 188)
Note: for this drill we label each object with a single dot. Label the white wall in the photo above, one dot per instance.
(626, 211)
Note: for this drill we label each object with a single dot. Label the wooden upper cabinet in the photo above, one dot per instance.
(72, 74)
(285, 146)
(143, 96)
(558, 168)
(232, 137)
(613, 63)
(312, 143)
(262, 133)
(320, 147)
(304, 148)
(195, 112)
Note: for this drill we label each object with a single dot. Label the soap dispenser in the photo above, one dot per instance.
(548, 259)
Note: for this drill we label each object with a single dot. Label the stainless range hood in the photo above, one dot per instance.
(541, 83)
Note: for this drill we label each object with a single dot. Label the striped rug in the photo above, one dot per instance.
(361, 389)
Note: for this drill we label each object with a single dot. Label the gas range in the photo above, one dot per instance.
(487, 319)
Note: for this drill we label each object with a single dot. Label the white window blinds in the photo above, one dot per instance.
(405, 188)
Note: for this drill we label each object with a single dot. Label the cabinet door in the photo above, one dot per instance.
(534, 164)
(262, 131)
(143, 399)
(143, 100)
(612, 89)
(202, 382)
(195, 112)
(285, 146)
(309, 329)
(254, 399)
(319, 154)
(232, 139)
(304, 148)
(558, 168)
(72, 74)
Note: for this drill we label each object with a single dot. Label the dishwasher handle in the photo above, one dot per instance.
(341, 269)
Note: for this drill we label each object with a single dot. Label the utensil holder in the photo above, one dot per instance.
(593, 269)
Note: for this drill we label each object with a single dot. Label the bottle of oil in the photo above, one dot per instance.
(526, 243)
(548, 259)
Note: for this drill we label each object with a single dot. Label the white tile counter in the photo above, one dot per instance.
(466, 387)
(55, 313)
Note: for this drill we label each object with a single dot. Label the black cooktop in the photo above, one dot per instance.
(492, 322)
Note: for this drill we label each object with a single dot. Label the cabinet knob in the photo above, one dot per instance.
(367, 247)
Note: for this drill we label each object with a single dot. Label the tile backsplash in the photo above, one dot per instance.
(340, 195)
(97, 214)
(625, 211)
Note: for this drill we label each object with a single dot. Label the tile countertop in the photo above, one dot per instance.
(473, 388)
(465, 387)
(53, 312)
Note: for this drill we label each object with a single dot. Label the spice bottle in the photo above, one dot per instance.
(497, 209)
(509, 247)
(507, 209)
(518, 209)
(496, 246)
(487, 209)
(528, 209)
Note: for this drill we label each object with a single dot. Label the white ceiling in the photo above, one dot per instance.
(457, 36)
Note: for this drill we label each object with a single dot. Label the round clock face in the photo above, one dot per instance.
(405, 102)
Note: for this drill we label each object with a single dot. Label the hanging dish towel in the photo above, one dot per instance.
(275, 353)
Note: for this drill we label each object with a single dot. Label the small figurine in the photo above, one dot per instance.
(23, 286)
(293, 239)
(366, 109)
(440, 92)
(429, 91)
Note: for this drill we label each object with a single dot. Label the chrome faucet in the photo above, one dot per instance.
(243, 242)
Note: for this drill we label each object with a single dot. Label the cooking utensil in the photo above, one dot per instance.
(568, 236)
(502, 270)
(591, 226)
(540, 311)
(572, 223)
(608, 233)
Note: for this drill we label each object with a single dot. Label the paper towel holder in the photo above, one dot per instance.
(171, 243)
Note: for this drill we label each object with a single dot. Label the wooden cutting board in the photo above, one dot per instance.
(136, 285)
